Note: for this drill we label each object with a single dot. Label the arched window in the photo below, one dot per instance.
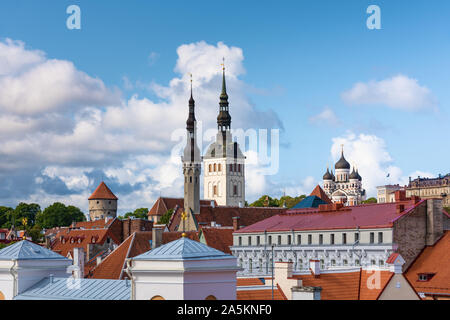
(210, 297)
(215, 167)
(215, 190)
(210, 168)
(239, 167)
(157, 298)
(219, 167)
(231, 168)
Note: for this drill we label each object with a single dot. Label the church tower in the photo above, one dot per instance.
(192, 165)
(224, 178)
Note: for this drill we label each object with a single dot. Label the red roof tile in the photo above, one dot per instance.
(249, 282)
(318, 192)
(261, 294)
(392, 258)
(434, 260)
(368, 291)
(363, 216)
(218, 238)
(162, 204)
(174, 235)
(113, 265)
(102, 192)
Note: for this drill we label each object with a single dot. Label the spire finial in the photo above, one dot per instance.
(191, 83)
(342, 148)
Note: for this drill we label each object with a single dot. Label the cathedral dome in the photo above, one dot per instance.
(342, 163)
(354, 175)
(327, 175)
(359, 177)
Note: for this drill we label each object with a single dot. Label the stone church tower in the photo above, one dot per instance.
(192, 164)
(224, 163)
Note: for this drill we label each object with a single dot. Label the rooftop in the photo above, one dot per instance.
(77, 289)
(183, 249)
(102, 193)
(26, 250)
(365, 216)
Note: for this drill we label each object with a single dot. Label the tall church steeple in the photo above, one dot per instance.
(191, 163)
(224, 118)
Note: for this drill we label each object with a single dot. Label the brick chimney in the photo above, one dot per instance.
(399, 208)
(236, 223)
(157, 237)
(400, 195)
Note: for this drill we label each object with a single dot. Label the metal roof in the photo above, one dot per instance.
(309, 202)
(26, 250)
(183, 249)
(77, 289)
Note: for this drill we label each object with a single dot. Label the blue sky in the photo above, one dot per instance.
(299, 58)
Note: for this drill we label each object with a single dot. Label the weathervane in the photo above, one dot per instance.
(184, 217)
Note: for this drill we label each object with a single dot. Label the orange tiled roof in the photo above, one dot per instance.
(367, 291)
(335, 286)
(218, 238)
(260, 294)
(113, 265)
(94, 224)
(318, 192)
(102, 192)
(433, 260)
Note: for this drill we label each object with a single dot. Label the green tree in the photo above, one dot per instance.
(165, 218)
(370, 200)
(261, 202)
(290, 201)
(59, 215)
(5, 214)
(24, 211)
(35, 233)
(140, 213)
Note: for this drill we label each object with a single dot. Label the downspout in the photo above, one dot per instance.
(127, 270)
(13, 272)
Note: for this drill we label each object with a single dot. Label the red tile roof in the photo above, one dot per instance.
(223, 216)
(218, 238)
(113, 265)
(102, 192)
(392, 258)
(260, 294)
(249, 282)
(174, 235)
(368, 290)
(94, 224)
(432, 260)
(80, 239)
(162, 204)
(318, 192)
(363, 216)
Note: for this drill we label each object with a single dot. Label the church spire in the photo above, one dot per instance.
(190, 123)
(224, 118)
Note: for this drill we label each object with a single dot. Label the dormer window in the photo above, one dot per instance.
(425, 276)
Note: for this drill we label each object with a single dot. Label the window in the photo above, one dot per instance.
(260, 264)
(210, 168)
(344, 262)
(333, 262)
(425, 276)
(249, 241)
(381, 263)
(300, 264)
(258, 242)
(380, 237)
(215, 167)
(239, 167)
(190, 179)
(215, 190)
(309, 238)
(322, 264)
(279, 240)
(372, 237)
(240, 241)
(356, 236)
(289, 239)
(250, 265)
(356, 262)
(231, 168)
(332, 238)
(320, 238)
(373, 262)
(299, 239)
(270, 239)
(235, 169)
(235, 190)
(344, 238)
(219, 167)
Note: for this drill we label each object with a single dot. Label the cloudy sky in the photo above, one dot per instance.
(109, 101)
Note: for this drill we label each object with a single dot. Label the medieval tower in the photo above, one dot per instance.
(102, 203)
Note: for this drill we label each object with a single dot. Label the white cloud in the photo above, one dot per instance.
(398, 92)
(370, 155)
(43, 145)
(326, 117)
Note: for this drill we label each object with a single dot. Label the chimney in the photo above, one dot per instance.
(400, 195)
(51, 278)
(78, 261)
(157, 237)
(236, 223)
(314, 265)
(399, 208)
(435, 226)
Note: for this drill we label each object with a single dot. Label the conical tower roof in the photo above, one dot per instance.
(102, 193)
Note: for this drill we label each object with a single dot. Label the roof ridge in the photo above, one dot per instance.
(127, 254)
